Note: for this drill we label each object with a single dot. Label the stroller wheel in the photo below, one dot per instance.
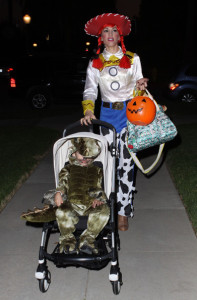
(45, 282)
(116, 286)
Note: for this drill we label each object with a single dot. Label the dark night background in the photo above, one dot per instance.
(163, 32)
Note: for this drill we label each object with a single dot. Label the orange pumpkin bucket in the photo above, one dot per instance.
(141, 110)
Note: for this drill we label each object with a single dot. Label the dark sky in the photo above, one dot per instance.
(129, 8)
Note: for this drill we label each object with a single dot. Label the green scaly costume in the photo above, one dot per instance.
(81, 185)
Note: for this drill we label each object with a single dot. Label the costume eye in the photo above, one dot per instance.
(143, 100)
(134, 103)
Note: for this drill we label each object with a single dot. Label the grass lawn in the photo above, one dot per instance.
(22, 147)
(182, 164)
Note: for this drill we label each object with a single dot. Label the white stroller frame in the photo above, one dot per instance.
(108, 160)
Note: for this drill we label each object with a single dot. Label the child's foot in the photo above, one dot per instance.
(88, 249)
(67, 244)
(87, 244)
(69, 251)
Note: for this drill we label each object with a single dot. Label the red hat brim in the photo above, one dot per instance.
(93, 26)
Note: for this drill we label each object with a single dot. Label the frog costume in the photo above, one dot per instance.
(81, 185)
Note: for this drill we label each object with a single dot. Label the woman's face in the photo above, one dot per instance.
(110, 36)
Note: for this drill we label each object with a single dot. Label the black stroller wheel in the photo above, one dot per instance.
(45, 282)
(116, 286)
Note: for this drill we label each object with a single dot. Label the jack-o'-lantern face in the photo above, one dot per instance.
(141, 111)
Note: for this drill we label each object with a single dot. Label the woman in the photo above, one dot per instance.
(117, 72)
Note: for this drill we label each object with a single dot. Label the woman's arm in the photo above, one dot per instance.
(91, 84)
(90, 94)
(141, 82)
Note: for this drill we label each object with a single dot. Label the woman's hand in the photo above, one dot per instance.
(58, 199)
(164, 107)
(87, 118)
(142, 84)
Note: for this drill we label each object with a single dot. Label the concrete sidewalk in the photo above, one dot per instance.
(158, 256)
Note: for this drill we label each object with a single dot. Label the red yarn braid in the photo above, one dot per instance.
(122, 44)
(99, 45)
(125, 61)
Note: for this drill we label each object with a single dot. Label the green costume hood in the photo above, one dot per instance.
(87, 147)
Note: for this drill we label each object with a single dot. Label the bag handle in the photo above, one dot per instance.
(138, 93)
(139, 165)
(134, 155)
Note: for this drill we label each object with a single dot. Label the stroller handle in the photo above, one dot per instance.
(96, 122)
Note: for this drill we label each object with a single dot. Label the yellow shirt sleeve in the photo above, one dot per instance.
(87, 105)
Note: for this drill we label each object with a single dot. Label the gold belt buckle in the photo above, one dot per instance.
(118, 105)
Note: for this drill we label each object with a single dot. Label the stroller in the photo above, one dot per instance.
(108, 239)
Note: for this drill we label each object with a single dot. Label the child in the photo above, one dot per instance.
(81, 181)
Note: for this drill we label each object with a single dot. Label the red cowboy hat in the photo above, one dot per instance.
(93, 26)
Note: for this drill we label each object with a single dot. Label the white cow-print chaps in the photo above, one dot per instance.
(125, 173)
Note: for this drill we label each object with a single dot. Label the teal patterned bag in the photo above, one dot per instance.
(160, 131)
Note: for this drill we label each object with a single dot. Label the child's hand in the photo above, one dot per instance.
(58, 199)
(96, 203)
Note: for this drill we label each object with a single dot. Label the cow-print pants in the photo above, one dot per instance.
(125, 173)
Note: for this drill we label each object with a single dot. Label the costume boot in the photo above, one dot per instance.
(68, 243)
(123, 224)
(87, 242)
